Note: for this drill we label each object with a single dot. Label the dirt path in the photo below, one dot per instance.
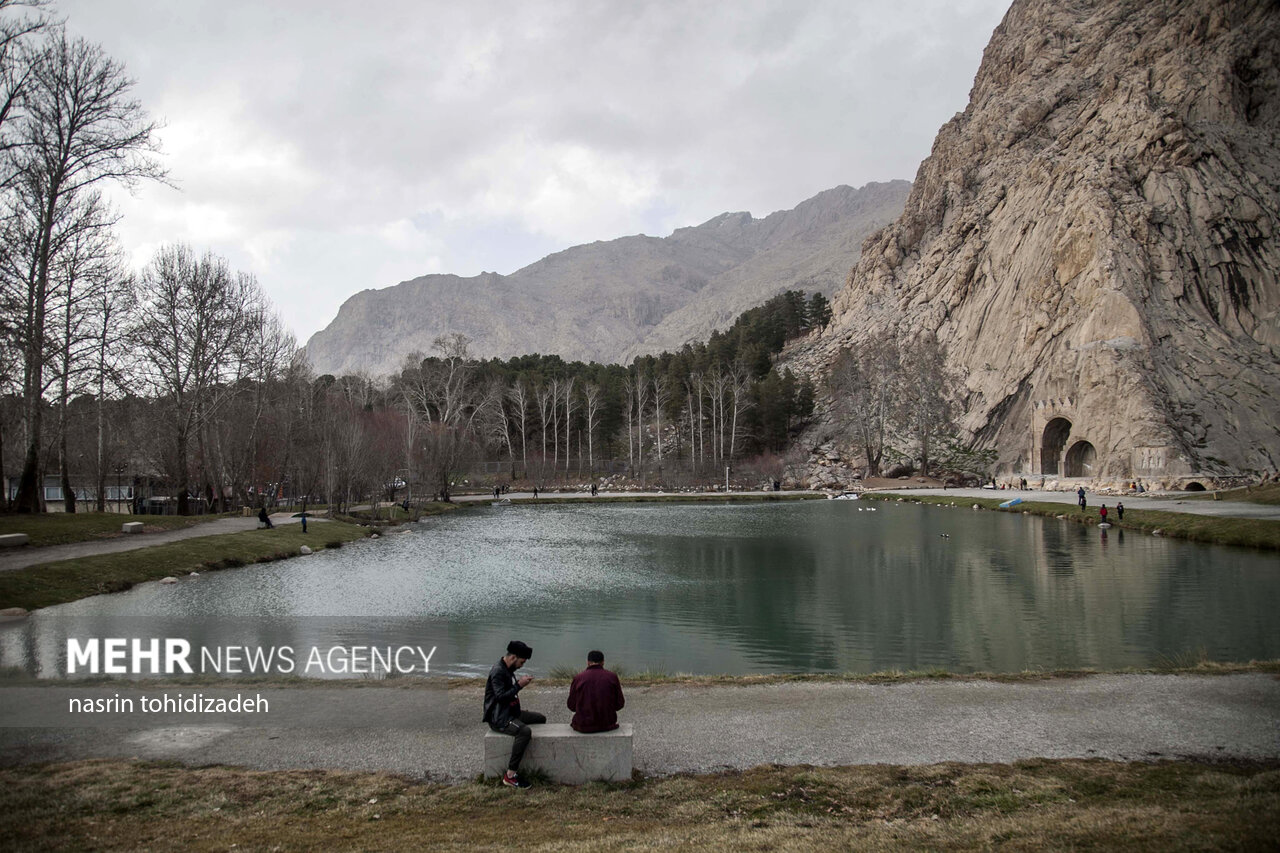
(682, 728)
(28, 556)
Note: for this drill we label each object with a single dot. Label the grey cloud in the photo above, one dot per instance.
(465, 115)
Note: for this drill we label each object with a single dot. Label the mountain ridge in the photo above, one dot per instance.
(612, 300)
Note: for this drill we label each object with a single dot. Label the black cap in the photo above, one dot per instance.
(595, 657)
(519, 649)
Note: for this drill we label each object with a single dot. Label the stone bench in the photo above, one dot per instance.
(565, 755)
(131, 527)
(12, 540)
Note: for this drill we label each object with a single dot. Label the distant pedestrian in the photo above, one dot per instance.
(264, 519)
(1103, 512)
(1120, 512)
(535, 493)
(1080, 495)
(303, 518)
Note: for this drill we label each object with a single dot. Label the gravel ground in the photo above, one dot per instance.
(683, 728)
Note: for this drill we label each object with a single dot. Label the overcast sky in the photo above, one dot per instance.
(330, 147)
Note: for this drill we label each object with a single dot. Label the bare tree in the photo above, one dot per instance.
(498, 420)
(864, 386)
(79, 129)
(739, 388)
(628, 412)
(661, 396)
(191, 338)
(15, 71)
(570, 406)
(113, 311)
(642, 403)
(86, 265)
(520, 397)
(546, 406)
(592, 407)
(927, 406)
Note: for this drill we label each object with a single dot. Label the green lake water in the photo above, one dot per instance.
(807, 587)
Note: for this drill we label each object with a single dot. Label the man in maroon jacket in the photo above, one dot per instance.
(595, 697)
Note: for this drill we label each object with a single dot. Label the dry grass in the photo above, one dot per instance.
(60, 528)
(122, 805)
(68, 580)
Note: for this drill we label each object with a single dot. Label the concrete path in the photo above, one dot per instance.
(705, 729)
(28, 556)
(1166, 502)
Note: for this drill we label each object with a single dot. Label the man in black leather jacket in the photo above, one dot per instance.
(502, 707)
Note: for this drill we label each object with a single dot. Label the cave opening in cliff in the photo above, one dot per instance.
(1052, 443)
(1080, 459)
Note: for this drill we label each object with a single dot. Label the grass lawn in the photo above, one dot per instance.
(68, 580)
(1247, 532)
(60, 528)
(1039, 804)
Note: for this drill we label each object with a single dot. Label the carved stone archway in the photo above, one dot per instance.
(1052, 442)
(1081, 460)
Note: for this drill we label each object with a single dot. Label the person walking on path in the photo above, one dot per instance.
(1119, 512)
(595, 697)
(1080, 495)
(502, 707)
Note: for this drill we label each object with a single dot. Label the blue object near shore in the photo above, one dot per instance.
(1009, 503)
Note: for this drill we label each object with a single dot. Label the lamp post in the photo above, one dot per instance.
(119, 468)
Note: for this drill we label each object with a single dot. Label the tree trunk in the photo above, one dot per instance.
(184, 506)
(102, 462)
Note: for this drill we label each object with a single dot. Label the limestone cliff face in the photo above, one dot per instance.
(611, 301)
(1094, 238)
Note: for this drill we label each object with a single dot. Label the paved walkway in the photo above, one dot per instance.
(706, 729)
(1172, 502)
(26, 556)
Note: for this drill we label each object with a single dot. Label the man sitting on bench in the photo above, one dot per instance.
(595, 697)
(502, 707)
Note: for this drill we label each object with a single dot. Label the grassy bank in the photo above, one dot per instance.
(675, 497)
(130, 805)
(1246, 532)
(68, 580)
(60, 528)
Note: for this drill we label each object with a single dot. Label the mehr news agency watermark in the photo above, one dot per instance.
(174, 656)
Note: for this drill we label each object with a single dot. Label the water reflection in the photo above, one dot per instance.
(795, 587)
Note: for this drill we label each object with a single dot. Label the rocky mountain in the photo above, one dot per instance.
(1095, 240)
(610, 301)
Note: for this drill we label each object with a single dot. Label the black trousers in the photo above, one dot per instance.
(519, 729)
